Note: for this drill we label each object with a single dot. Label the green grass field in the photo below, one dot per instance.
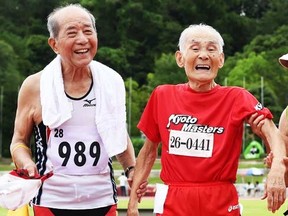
(251, 207)
(259, 208)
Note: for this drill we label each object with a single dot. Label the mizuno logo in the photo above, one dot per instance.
(89, 102)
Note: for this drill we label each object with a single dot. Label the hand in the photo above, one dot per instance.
(275, 189)
(268, 160)
(132, 212)
(142, 187)
(256, 122)
(141, 190)
(30, 168)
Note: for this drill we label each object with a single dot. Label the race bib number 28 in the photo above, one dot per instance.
(191, 143)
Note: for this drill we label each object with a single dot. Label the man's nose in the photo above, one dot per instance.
(82, 38)
(203, 54)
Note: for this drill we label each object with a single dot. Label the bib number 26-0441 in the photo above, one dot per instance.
(191, 143)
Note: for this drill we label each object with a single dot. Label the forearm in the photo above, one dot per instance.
(21, 155)
(22, 158)
(144, 163)
(275, 140)
(127, 158)
(20, 148)
(275, 184)
(283, 127)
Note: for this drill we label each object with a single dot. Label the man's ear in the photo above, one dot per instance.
(179, 58)
(53, 44)
(222, 60)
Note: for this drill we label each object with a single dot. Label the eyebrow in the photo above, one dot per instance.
(71, 27)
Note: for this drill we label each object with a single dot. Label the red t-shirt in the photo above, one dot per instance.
(201, 132)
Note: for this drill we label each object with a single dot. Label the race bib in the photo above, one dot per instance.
(191, 143)
(76, 154)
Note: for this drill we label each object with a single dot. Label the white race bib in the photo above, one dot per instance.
(191, 143)
(77, 151)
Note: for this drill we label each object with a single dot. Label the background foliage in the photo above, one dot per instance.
(138, 38)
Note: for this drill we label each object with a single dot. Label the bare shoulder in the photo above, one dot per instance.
(30, 86)
(32, 81)
(29, 105)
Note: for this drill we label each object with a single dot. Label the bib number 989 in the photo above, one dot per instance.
(79, 158)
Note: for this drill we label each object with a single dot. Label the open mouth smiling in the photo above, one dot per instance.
(81, 51)
(202, 67)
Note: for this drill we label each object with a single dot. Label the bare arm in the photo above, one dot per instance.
(275, 184)
(24, 122)
(127, 161)
(127, 158)
(283, 127)
(144, 163)
(256, 122)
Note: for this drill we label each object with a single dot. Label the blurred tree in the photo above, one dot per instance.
(136, 99)
(10, 79)
(260, 59)
(166, 71)
(38, 53)
(275, 16)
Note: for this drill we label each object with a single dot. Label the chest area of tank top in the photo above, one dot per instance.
(84, 110)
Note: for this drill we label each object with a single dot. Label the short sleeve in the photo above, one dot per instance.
(246, 104)
(148, 123)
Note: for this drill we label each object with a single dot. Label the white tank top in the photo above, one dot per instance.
(83, 177)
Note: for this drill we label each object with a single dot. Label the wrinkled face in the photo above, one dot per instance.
(201, 57)
(77, 40)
